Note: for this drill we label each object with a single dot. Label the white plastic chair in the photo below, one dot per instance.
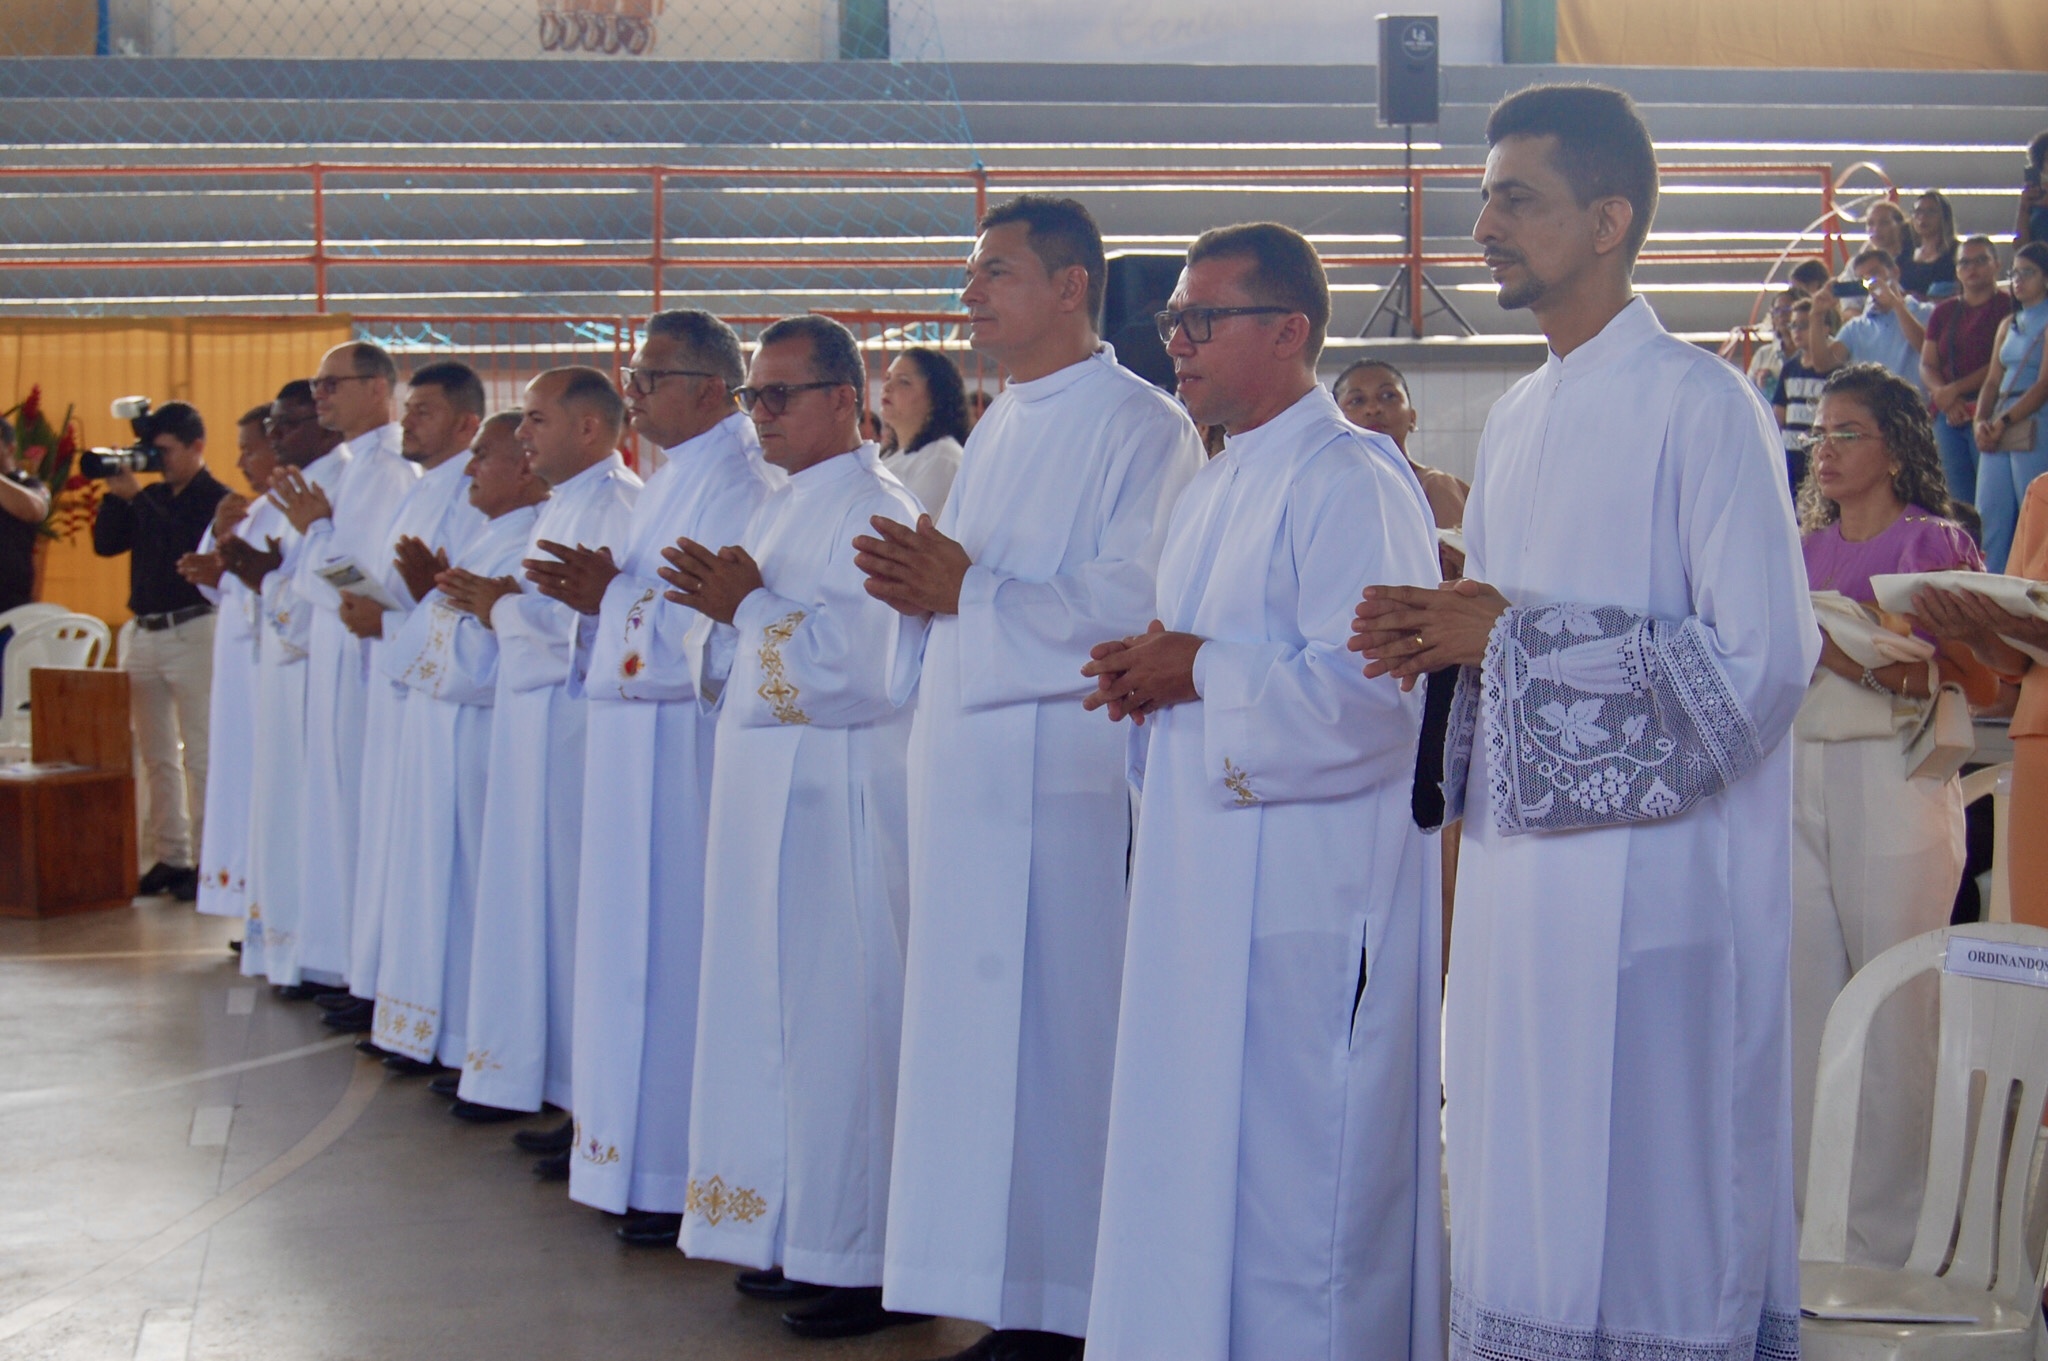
(1971, 1256)
(65, 640)
(21, 616)
(1994, 782)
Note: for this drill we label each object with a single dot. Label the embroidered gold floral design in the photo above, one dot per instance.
(717, 1202)
(594, 1150)
(479, 1059)
(775, 686)
(1238, 783)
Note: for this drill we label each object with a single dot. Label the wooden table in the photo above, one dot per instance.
(67, 835)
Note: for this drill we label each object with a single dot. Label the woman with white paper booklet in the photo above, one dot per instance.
(1878, 834)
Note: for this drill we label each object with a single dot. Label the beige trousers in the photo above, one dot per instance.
(170, 679)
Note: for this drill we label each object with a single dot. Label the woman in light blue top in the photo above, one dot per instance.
(2020, 384)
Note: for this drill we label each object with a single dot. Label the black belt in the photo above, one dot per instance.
(157, 623)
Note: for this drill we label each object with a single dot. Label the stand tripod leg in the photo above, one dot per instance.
(1393, 303)
(1444, 304)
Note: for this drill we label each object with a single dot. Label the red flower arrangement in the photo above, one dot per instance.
(47, 454)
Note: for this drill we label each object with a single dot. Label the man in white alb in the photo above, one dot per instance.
(265, 553)
(347, 532)
(1019, 810)
(523, 964)
(805, 890)
(447, 658)
(444, 406)
(1273, 1170)
(640, 900)
(231, 708)
(1636, 637)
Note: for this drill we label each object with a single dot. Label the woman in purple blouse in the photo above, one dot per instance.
(1876, 856)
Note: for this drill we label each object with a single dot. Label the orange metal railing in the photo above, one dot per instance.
(325, 255)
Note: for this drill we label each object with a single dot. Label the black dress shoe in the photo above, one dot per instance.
(448, 1084)
(306, 991)
(847, 1312)
(351, 1020)
(184, 886)
(336, 1001)
(405, 1065)
(235, 948)
(155, 880)
(650, 1229)
(556, 1140)
(1020, 1344)
(554, 1167)
(477, 1113)
(773, 1285)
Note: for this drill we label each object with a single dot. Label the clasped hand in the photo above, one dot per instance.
(578, 580)
(713, 584)
(303, 503)
(912, 571)
(1142, 674)
(1409, 631)
(475, 594)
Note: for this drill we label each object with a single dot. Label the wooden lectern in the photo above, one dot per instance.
(67, 833)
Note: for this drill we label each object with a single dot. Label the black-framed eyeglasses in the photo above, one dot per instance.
(774, 398)
(1200, 322)
(328, 385)
(645, 381)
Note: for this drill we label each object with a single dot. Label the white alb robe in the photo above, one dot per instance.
(523, 964)
(1019, 837)
(277, 783)
(337, 691)
(928, 472)
(448, 661)
(806, 892)
(1617, 1044)
(1272, 1184)
(437, 512)
(640, 895)
(231, 724)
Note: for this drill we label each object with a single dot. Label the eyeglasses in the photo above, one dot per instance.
(273, 424)
(1839, 438)
(1200, 322)
(645, 381)
(774, 398)
(327, 386)
(1974, 261)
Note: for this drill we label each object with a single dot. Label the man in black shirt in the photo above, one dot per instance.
(23, 503)
(169, 654)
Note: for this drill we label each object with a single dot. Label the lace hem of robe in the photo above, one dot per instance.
(1482, 1334)
(1594, 716)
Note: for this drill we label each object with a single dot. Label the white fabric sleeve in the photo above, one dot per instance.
(536, 639)
(831, 661)
(1029, 639)
(1296, 718)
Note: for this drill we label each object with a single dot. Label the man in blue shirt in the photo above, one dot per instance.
(1890, 331)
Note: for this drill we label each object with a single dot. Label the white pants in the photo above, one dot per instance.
(170, 679)
(1876, 859)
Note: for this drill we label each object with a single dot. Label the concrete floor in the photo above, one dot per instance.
(197, 1169)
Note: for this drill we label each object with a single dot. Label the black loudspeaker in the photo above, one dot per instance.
(1139, 285)
(1408, 84)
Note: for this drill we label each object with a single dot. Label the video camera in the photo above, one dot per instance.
(140, 457)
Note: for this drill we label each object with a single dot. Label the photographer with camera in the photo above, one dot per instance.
(1890, 331)
(169, 655)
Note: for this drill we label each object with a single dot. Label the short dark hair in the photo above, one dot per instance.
(1285, 272)
(1980, 240)
(371, 360)
(1603, 148)
(255, 415)
(591, 390)
(1360, 365)
(710, 342)
(1062, 234)
(1902, 420)
(500, 418)
(1877, 253)
(179, 420)
(2037, 150)
(458, 383)
(948, 393)
(1811, 271)
(2034, 253)
(298, 392)
(835, 354)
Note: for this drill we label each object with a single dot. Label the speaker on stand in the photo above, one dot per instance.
(1407, 96)
(1139, 284)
